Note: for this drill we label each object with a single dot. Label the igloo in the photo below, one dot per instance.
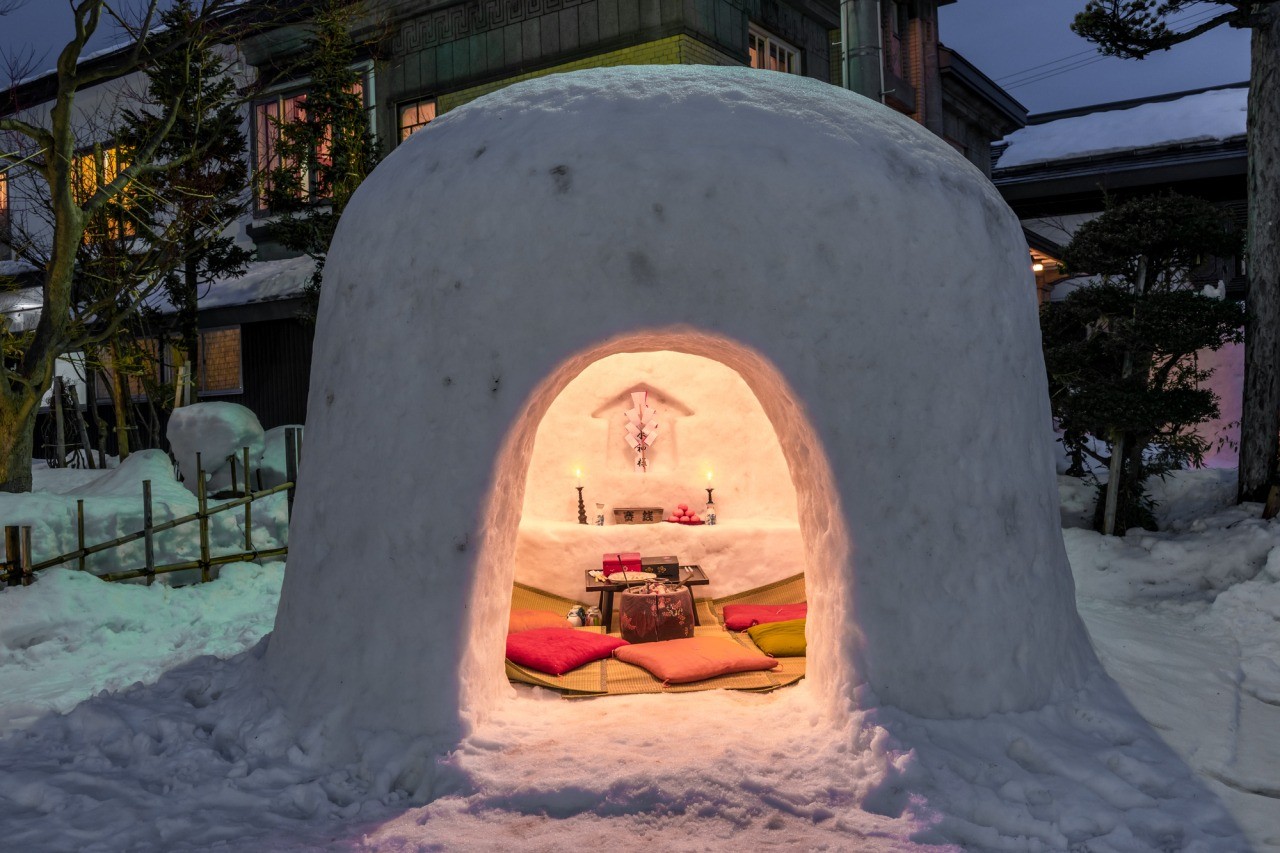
(860, 281)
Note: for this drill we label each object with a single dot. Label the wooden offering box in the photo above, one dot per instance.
(637, 514)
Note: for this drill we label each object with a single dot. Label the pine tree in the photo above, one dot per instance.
(325, 155)
(1121, 355)
(190, 205)
(1136, 28)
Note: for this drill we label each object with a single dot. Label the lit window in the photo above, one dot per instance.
(415, 116)
(4, 207)
(139, 364)
(269, 117)
(771, 53)
(219, 358)
(92, 171)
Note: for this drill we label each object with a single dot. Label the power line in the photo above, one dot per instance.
(1011, 81)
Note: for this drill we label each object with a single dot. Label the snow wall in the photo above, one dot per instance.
(866, 282)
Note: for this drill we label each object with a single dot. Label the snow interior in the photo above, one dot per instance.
(795, 466)
(709, 422)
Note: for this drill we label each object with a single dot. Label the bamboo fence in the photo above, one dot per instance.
(17, 569)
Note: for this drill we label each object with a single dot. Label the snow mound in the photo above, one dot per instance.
(271, 466)
(867, 283)
(216, 431)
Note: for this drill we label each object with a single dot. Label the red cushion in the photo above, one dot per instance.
(523, 620)
(682, 661)
(557, 650)
(740, 617)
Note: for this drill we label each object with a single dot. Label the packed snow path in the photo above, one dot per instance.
(1178, 673)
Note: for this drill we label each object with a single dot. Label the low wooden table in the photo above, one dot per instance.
(689, 576)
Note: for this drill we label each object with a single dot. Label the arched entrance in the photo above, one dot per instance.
(817, 543)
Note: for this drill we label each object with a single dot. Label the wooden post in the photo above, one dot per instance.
(235, 484)
(148, 536)
(291, 464)
(180, 387)
(80, 528)
(60, 427)
(28, 576)
(248, 507)
(13, 553)
(100, 432)
(247, 489)
(81, 428)
(203, 499)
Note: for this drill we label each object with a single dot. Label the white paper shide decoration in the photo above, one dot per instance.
(642, 427)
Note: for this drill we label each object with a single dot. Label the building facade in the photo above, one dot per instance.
(420, 59)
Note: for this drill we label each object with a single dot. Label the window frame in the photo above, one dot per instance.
(108, 161)
(166, 372)
(199, 378)
(293, 90)
(403, 106)
(771, 44)
(6, 216)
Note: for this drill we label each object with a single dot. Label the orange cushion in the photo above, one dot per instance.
(693, 659)
(526, 620)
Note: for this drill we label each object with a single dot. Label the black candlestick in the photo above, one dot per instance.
(709, 491)
(582, 508)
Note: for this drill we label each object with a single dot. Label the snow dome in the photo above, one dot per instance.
(829, 309)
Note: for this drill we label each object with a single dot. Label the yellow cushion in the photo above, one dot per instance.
(780, 639)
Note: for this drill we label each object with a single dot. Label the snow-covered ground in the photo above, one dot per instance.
(133, 720)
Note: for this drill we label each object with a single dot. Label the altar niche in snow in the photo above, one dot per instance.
(864, 280)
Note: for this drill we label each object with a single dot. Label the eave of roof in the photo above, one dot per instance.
(1109, 106)
(954, 66)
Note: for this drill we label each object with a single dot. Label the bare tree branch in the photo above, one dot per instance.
(38, 135)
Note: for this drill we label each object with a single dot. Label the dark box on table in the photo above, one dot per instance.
(666, 568)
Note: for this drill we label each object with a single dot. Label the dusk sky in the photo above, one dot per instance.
(1024, 45)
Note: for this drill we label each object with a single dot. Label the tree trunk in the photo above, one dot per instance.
(17, 438)
(189, 316)
(121, 387)
(1260, 418)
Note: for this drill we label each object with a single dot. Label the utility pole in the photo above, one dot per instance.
(861, 51)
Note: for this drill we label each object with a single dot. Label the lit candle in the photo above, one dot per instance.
(578, 473)
(708, 479)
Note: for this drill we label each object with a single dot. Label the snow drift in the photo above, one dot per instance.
(868, 285)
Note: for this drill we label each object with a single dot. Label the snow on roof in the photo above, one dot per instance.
(264, 281)
(1202, 117)
(15, 268)
(21, 308)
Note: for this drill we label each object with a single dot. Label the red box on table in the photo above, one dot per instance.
(628, 561)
